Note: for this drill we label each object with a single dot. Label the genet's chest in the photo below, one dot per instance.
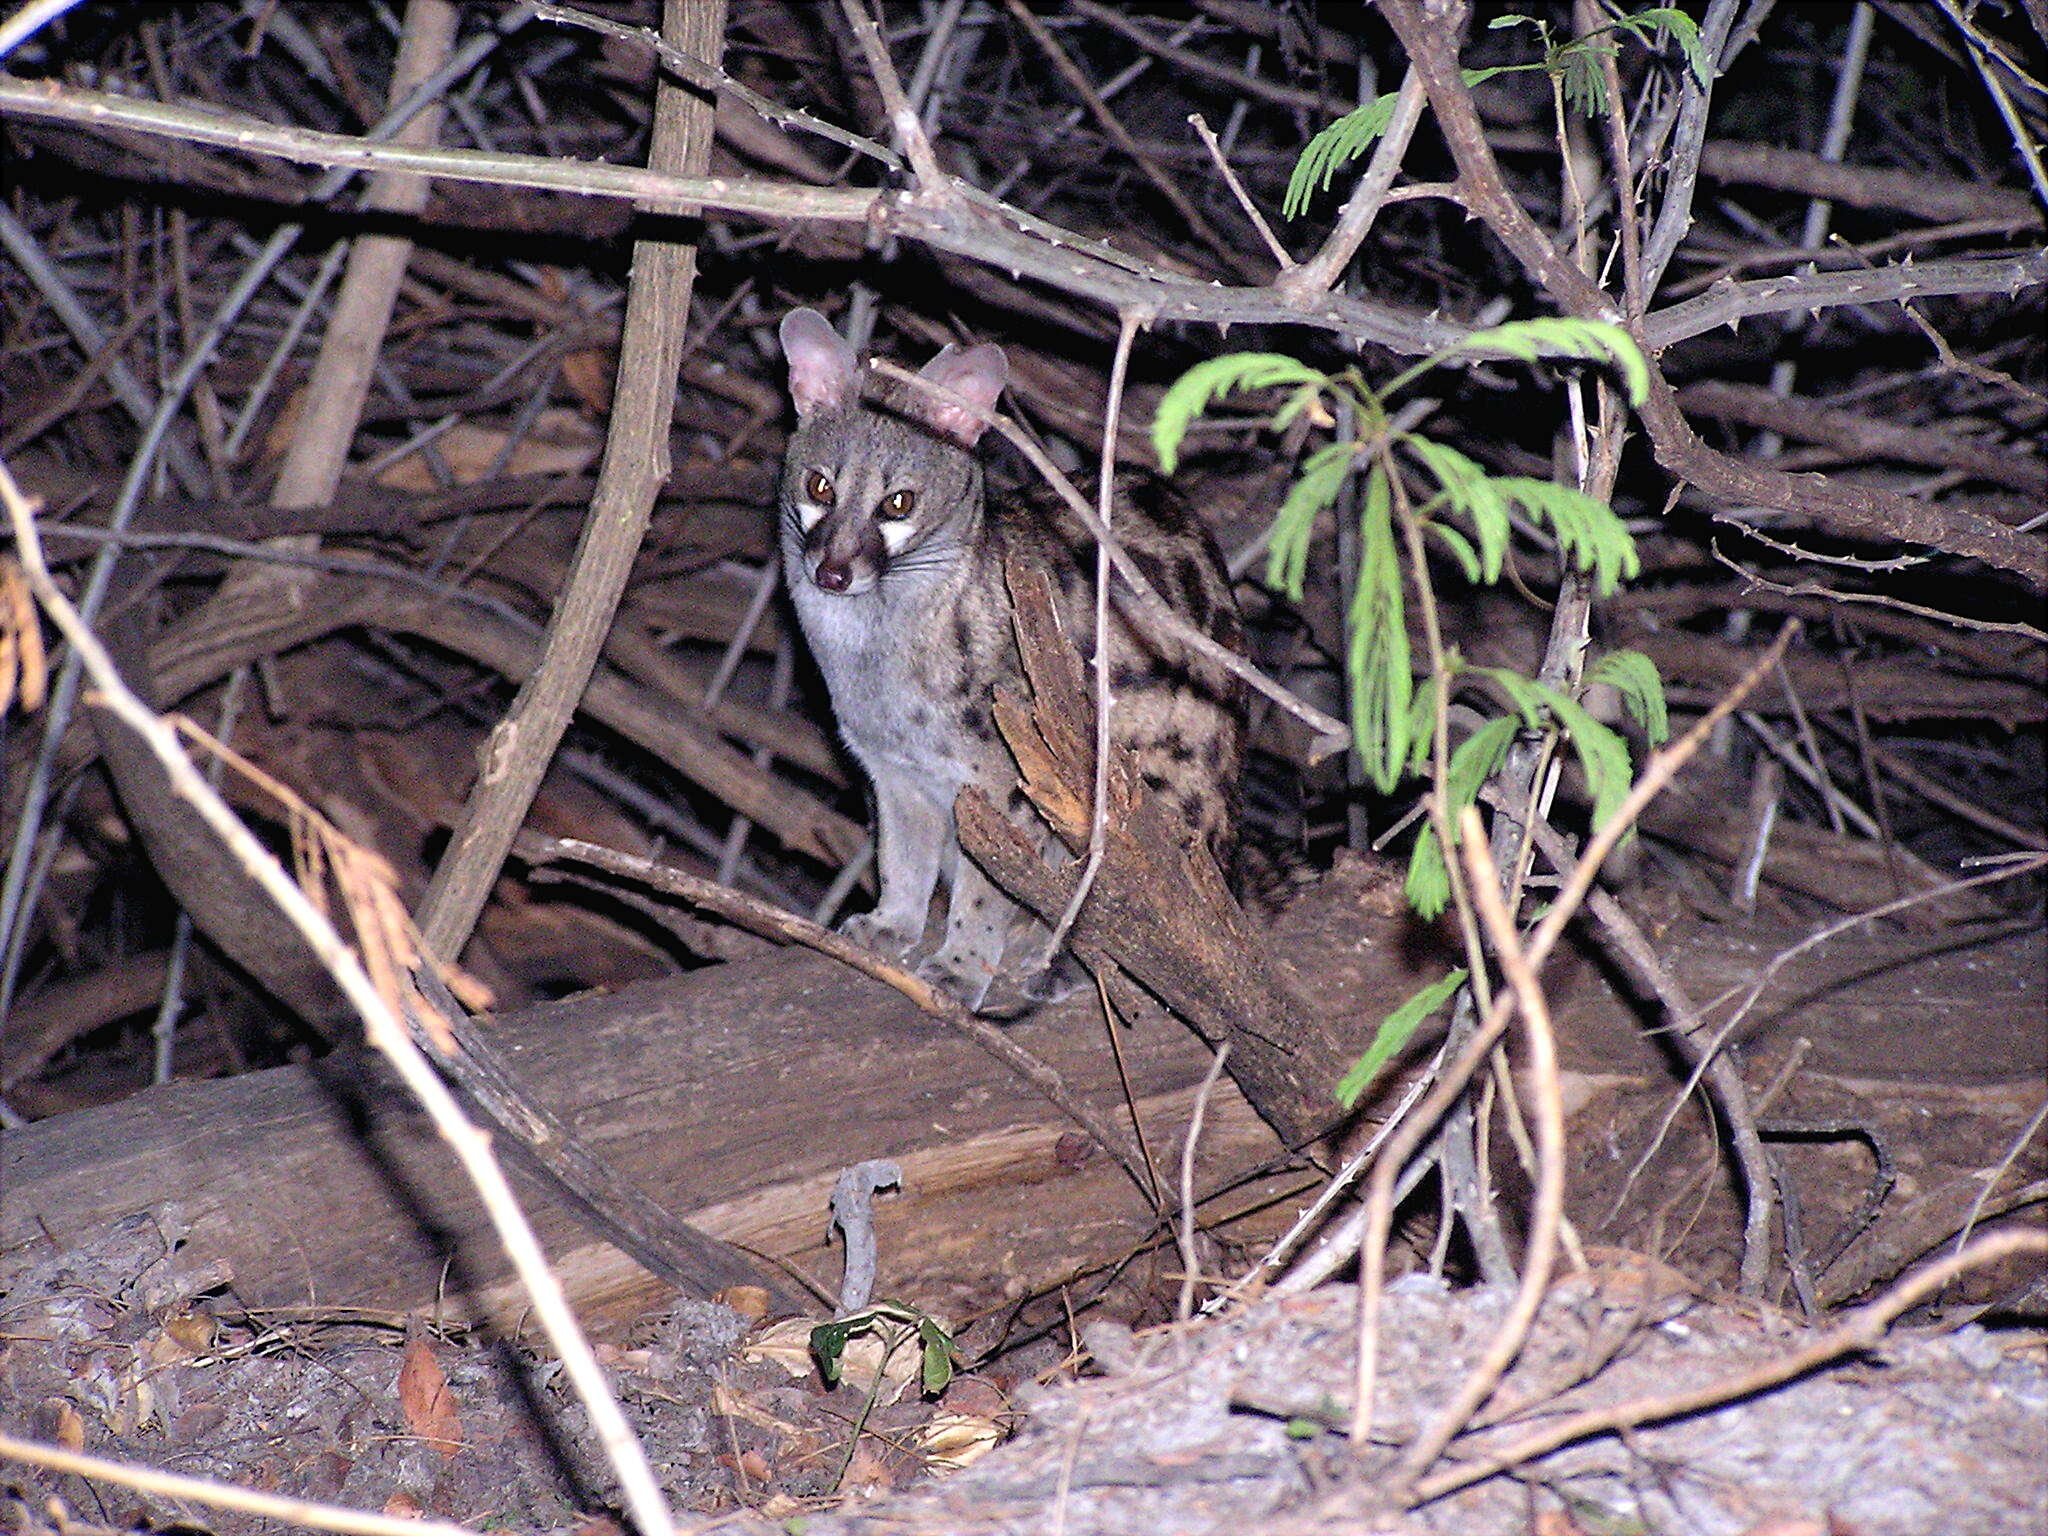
(910, 686)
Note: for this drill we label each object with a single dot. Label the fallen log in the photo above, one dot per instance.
(733, 1094)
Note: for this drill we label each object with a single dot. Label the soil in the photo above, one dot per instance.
(1221, 1425)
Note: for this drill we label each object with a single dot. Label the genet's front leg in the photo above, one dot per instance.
(979, 920)
(913, 840)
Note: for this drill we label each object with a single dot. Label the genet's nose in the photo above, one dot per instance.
(832, 575)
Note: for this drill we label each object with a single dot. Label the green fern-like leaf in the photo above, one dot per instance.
(1193, 391)
(1560, 336)
(1475, 760)
(1428, 884)
(1349, 137)
(1634, 676)
(1525, 695)
(1597, 540)
(1381, 685)
(1394, 1033)
(1684, 31)
(1470, 491)
(1332, 149)
(1460, 547)
(1422, 720)
(1602, 754)
(1577, 69)
(1322, 476)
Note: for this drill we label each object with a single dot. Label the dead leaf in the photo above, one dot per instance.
(425, 1399)
(951, 1441)
(588, 373)
(193, 1330)
(787, 1344)
(748, 1300)
(21, 642)
(866, 1473)
(68, 1429)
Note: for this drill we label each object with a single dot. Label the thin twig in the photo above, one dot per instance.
(1548, 1213)
(1244, 199)
(1880, 599)
(904, 123)
(1189, 1265)
(1105, 487)
(1324, 1260)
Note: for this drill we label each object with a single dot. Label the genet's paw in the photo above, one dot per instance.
(872, 931)
(1063, 978)
(965, 977)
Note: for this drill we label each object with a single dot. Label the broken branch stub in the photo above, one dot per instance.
(1159, 910)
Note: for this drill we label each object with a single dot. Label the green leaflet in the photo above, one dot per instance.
(1460, 547)
(1428, 886)
(1193, 391)
(1644, 24)
(1350, 136)
(1472, 493)
(1395, 1031)
(1422, 716)
(1322, 476)
(1634, 676)
(1381, 683)
(1473, 761)
(1558, 336)
(828, 1343)
(1596, 539)
(940, 1356)
(1329, 151)
(1601, 751)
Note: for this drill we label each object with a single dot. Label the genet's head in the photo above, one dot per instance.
(876, 476)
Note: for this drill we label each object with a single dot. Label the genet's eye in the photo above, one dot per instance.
(898, 504)
(819, 489)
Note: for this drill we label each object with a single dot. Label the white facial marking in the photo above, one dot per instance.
(809, 514)
(894, 535)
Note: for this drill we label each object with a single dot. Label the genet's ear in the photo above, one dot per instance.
(822, 367)
(975, 373)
